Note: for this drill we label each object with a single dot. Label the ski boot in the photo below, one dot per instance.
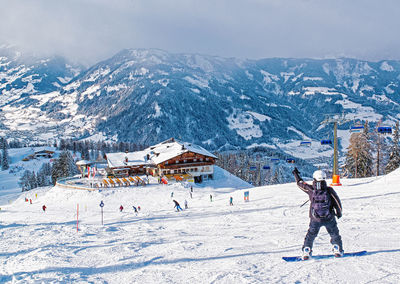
(336, 251)
(306, 253)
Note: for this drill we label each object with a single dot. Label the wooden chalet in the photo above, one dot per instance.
(169, 158)
(41, 153)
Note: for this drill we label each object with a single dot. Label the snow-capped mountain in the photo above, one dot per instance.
(149, 95)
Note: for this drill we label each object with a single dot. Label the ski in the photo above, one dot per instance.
(323, 256)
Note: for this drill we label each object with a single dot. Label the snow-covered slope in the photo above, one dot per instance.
(211, 242)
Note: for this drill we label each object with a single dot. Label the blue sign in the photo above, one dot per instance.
(102, 204)
(252, 168)
(266, 167)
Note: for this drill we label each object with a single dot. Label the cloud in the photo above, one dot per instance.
(91, 30)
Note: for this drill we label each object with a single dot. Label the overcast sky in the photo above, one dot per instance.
(91, 30)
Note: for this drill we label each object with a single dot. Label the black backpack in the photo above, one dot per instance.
(321, 201)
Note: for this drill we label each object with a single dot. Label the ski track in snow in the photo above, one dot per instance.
(211, 242)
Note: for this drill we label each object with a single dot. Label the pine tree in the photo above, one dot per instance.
(64, 166)
(359, 160)
(33, 181)
(394, 156)
(4, 156)
(24, 181)
(277, 177)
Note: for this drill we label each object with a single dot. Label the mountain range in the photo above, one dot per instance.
(149, 95)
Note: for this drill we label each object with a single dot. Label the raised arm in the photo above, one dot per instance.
(300, 182)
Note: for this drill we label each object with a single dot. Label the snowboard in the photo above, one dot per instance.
(323, 256)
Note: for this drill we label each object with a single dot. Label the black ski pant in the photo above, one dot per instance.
(331, 227)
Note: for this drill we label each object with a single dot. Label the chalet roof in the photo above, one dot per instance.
(171, 148)
(117, 160)
(44, 149)
(159, 153)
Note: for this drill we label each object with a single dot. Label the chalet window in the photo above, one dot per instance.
(166, 162)
(194, 160)
(185, 161)
(201, 159)
(207, 159)
(177, 162)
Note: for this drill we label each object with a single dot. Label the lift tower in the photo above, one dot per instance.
(335, 119)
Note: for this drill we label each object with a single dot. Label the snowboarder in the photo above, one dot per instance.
(44, 208)
(325, 204)
(121, 208)
(186, 204)
(177, 206)
(231, 201)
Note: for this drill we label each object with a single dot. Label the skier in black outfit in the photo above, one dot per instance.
(177, 206)
(325, 205)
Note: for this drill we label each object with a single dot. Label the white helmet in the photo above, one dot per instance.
(319, 175)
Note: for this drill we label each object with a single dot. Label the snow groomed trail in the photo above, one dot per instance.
(211, 242)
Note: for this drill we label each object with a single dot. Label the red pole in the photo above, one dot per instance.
(77, 216)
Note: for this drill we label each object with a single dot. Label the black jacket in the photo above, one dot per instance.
(336, 208)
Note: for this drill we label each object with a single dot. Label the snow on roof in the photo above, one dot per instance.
(82, 163)
(44, 148)
(117, 160)
(171, 148)
(158, 153)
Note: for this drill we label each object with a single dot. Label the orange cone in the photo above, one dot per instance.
(336, 180)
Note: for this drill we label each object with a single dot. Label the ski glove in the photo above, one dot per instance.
(296, 171)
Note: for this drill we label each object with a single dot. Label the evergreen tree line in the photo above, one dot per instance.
(62, 167)
(255, 166)
(4, 158)
(370, 154)
(30, 180)
(95, 151)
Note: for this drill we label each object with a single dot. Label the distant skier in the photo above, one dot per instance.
(135, 209)
(44, 208)
(186, 204)
(231, 201)
(121, 208)
(172, 194)
(325, 204)
(211, 197)
(191, 188)
(191, 195)
(138, 208)
(30, 200)
(177, 206)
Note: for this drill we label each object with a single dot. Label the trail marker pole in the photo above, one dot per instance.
(77, 217)
(101, 206)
